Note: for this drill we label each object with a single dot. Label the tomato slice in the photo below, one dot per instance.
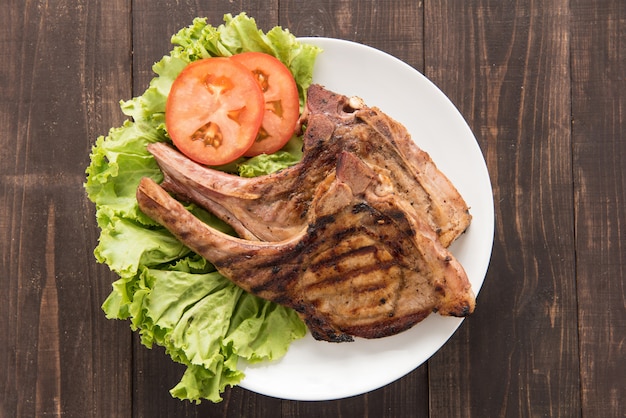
(214, 110)
(282, 105)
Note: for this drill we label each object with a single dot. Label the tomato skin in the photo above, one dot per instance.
(214, 110)
(282, 105)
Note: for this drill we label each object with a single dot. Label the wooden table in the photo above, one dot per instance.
(541, 84)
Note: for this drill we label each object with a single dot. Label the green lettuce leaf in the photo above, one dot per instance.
(171, 296)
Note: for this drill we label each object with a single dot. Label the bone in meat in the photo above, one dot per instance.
(363, 266)
(274, 207)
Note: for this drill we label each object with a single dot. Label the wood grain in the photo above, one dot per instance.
(542, 86)
(58, 350)
(599, 149)
(393, 26)
(507, 68)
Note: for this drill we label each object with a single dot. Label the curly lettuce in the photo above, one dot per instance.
(171, 296)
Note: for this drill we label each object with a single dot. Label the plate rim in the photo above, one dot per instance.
(264, 389)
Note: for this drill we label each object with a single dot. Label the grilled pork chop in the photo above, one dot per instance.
(363, 265)
(274, 207)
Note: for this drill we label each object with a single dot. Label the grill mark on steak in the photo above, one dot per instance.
(336, 259)
(330, 282)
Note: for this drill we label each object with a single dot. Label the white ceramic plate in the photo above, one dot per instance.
(314, 370)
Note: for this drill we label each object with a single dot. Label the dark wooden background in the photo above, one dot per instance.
(541, 83)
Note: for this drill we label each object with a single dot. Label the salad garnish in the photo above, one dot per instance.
(171, 296)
